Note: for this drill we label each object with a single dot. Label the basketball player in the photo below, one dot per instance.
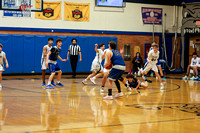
(193, 67)
(51, 62)
(96, 64)
(2, 58)
(133, 83)
(152, 59)
(115, 58)
(105, 72)
(46, 50)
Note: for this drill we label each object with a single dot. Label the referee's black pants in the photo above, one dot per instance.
(73, 61)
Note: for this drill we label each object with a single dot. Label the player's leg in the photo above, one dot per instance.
(105, 76)
(109, 96)
(0, 79)
(88, 77)
(144, 84)
(145, 71)
(53, 72)
(98, 69)
(43, 71)
(161, 73)
(57, 69)
(187, 73)
(155, 69)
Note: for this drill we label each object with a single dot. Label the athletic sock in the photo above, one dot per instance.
(162, 76)
(58, 81)
(118, 86)
(49, 82)
(109, 92)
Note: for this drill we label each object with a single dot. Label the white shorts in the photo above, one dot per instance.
(106, 70)
(43, 64)
(151, 67)
(96, 67)
(198, 66)
(1, 67)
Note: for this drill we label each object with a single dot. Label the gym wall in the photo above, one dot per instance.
(125, 26)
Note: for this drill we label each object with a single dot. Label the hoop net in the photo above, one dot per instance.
(26, 10)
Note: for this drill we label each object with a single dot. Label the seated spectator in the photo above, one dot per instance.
(137, 62)
(193, 67)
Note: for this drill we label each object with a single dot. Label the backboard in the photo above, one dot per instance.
(14, 5)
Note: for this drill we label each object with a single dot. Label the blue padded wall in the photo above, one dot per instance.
(24, 51)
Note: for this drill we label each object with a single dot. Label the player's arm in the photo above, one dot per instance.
(68, 54)
(47, 58)
(96, 45)
(44, 51)
(61, 58)
(149, 57)
(6, 61)
(80, 56)
(139, 83)
(109, 55)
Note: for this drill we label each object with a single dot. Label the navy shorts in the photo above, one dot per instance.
(53, 67)
(158, 63)
(115, 74)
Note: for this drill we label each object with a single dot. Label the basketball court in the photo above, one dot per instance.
(27, 107)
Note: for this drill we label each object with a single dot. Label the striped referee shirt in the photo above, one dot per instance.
(74, 49)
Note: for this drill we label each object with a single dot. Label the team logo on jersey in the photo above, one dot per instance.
(77, 14)
(48, 12)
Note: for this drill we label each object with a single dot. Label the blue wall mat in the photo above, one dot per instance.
(24, 51)
(168, 42)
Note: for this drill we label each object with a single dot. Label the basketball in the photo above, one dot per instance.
(109, 67)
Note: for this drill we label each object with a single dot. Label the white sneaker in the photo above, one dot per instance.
(185, 78)
(108, 98)
(196, 78)
(84, 82)
(102, 90)
(193, 77)
(129, 89)
(93, 80)
(119, 95)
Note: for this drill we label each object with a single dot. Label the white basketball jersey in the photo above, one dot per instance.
(194, 61)
(2, 54)
(98, 57)
(153, 56)
(48, 49)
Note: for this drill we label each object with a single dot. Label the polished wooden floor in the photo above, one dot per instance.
(25, 107)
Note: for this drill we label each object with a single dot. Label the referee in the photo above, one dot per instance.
(74, 50)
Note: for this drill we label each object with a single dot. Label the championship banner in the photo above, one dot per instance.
(152, 15)
(51, 11)
(77, 11)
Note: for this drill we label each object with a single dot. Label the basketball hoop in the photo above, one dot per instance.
(26, 10)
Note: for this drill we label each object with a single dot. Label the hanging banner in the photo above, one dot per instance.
(152, 15)
(51, 11)
(8, 13)
(77, 11)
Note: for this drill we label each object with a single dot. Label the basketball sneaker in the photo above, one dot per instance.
(43, 84)
(52, 83)
(102, 90)
(119, 95)
(60, 84)
(193, 77)
(93, 80)
(149, 81)
(49, 87)
(108, 98)
(185, 78)
(84, 82)
(196, 78)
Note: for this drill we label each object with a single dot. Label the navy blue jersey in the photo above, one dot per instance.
(117, 58)
(133, 84)
(54, 53)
